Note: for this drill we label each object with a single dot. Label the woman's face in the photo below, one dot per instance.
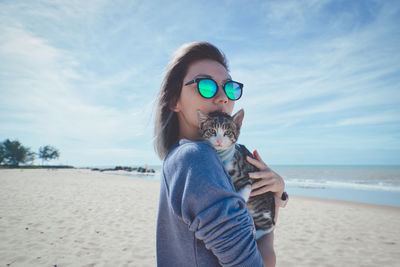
(190, 99)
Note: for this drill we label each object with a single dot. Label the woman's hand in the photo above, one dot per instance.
(270, 180)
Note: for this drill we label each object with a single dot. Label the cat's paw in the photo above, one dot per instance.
(245, 192)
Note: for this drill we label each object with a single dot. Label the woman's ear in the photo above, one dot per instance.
(174, 105)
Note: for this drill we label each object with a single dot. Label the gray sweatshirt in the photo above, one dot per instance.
(202, 221)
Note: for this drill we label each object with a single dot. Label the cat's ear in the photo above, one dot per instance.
(238, 118)
(202, 117)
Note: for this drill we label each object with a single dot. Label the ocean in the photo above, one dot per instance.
(368, 184)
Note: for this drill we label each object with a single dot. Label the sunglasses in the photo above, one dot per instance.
(208, 88)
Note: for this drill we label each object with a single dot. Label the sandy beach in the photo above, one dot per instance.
(77, 217)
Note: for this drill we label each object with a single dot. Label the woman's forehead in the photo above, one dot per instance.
(207, 68)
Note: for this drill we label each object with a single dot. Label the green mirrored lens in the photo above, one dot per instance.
(233, 90)
(207, 88)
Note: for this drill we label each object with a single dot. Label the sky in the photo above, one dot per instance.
(321, 78)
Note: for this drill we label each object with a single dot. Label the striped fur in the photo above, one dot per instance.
(221, 126)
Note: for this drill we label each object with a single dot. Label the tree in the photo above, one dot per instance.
(2, 153)
(48, 153)
(15, 153)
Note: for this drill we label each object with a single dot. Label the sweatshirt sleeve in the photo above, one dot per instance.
(203, 196)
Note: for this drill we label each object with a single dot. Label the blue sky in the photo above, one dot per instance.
(322, 78)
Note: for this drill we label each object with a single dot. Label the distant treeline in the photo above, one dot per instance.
(13, 153)
(128, 169)
(38, 167)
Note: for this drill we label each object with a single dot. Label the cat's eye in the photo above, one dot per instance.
(212, 131)
(227, 133)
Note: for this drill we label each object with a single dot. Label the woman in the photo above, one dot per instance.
(202, 221)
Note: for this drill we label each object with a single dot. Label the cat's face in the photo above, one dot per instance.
(219, 129)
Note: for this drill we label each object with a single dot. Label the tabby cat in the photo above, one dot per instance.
(222, 132)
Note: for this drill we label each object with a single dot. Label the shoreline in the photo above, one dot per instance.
(75, 217)
(313, 193)
(347, 202)
(358, 195)
(374, 197)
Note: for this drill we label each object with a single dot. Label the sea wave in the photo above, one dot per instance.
(360, 185)
(392, 185)
(153, 176)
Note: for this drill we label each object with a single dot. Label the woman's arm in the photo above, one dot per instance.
(203, 196)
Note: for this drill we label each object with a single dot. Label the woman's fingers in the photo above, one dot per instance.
(259, 164)
(265, 185)
(257, 157)
(262, 174)
(262, 182)
(261, 190)
(268, 179)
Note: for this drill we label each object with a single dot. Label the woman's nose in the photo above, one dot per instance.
(221, 97)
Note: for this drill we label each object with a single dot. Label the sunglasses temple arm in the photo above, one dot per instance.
(190, 82)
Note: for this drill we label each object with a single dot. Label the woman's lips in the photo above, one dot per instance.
(220, 111)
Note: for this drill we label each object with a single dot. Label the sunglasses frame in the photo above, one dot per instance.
(197, 80)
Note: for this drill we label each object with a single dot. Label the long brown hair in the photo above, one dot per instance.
(166, 128)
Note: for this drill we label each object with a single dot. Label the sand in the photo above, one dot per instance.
(78, 217)
(319, 232)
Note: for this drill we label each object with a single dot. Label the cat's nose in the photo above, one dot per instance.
(219, 142)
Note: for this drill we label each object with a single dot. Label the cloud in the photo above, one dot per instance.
(293, 17)
(354, 71)
(47, 94)
(84, 75)
(366, 120)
